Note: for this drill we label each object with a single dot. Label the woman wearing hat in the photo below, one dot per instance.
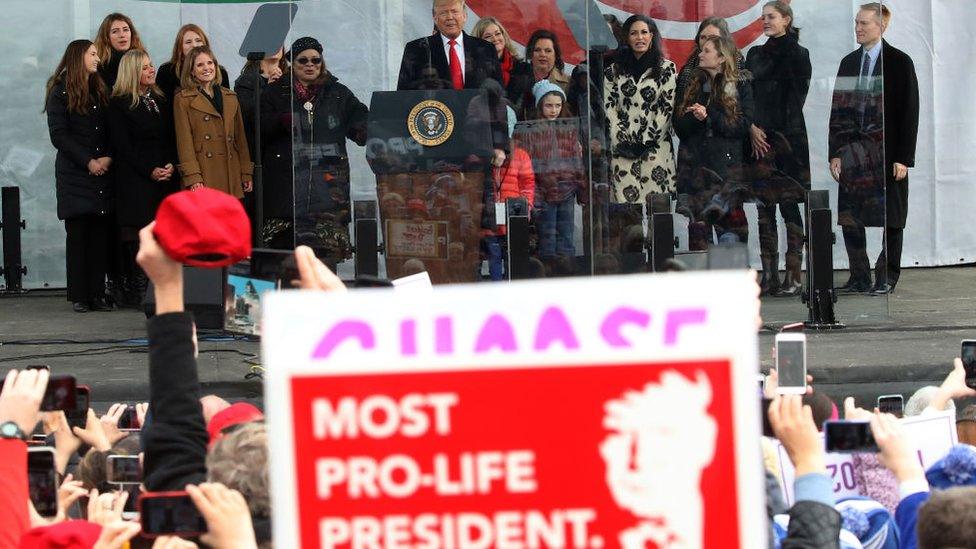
(210, 135)
(76, 119)
(306, 118)
(639, 95)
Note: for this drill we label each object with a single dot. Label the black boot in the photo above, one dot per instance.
(137, 290)
(769, 285)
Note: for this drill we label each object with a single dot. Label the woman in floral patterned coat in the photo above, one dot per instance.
(639, 90)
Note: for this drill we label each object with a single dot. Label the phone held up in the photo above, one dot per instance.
(791, 363)
(849, 437)
(968, 356)
(170, 513)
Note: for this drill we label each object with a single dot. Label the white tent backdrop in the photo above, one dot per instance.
(363, 41)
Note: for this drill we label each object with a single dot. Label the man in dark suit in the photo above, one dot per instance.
(873, 133)
(451, 59)
(473, 59)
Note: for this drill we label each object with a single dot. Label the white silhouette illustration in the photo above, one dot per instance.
(662, 438)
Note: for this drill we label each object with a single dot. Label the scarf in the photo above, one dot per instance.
(150, 103)
(305, 93)
(508, 62)
(633, 66)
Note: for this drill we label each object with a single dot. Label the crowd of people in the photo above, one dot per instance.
(217, 452)
(601, 139)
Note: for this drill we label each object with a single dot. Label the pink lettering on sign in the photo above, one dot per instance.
(497, 332)
(620, 317)
(347, 329)
(553, 327)
(678, 319)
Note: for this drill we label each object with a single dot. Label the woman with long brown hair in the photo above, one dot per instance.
(712, 120)
(77, 122)
(781, 73)
(116, 35)
(168, 76)
(210, 138)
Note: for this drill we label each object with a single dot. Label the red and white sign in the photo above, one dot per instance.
(611, 412)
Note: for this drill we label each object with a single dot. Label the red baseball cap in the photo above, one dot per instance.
(239, 412)
(203, 228)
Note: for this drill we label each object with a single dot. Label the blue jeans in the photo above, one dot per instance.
(555, 224)
(496, 258)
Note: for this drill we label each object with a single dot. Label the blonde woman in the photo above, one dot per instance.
(116, 35)
(210, 135)
(168, 76)
(141, 129)
(492, 31)
(712, 120)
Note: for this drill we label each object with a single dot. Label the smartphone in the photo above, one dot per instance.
(60, 394)
(42, 480)
(165, 513)
(131, 510)
(78, 416)
(129, 421)
(791, 363)
(849, 437)
(892, 404)
(124, 469)
(968, 356)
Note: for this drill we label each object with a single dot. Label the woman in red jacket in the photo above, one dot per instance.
(513, 179)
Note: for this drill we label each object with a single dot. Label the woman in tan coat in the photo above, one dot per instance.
(210, 135)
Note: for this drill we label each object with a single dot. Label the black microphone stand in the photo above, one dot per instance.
(258, 177)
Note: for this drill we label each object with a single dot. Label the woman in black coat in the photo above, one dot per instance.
(116, 35)
(306, 118)
(141, 128)
(780, 151)
(712, 120)
(78, 124)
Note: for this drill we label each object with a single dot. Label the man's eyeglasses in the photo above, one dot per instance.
(308, 60)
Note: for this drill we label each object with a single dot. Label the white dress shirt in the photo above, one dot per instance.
(459, 48)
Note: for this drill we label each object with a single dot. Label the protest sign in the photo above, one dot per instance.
(932, 435)
(610, 412)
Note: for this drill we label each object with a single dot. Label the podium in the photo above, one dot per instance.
(431, 153)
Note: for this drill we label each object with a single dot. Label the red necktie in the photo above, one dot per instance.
(457, 77)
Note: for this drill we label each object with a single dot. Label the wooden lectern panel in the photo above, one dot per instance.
(432, 222)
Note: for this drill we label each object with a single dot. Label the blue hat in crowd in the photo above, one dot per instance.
(543, 88)
(957, 468)
(512, 120)
(869, 521)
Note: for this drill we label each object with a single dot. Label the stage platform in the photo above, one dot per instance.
(891, 347)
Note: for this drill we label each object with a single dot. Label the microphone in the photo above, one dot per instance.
(428, 76)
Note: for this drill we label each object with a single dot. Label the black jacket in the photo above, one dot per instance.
(175, 438)
(891, 111)
(781, 74)
(244, 87)
(480, 63)
(320, 170)
(143, 140)
(813, 525)
(169, 81)
(78, 139)
(716, 143)
(109, 71)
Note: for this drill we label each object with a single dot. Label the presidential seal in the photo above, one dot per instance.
(431, 123)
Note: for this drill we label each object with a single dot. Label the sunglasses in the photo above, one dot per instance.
(308, 60)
